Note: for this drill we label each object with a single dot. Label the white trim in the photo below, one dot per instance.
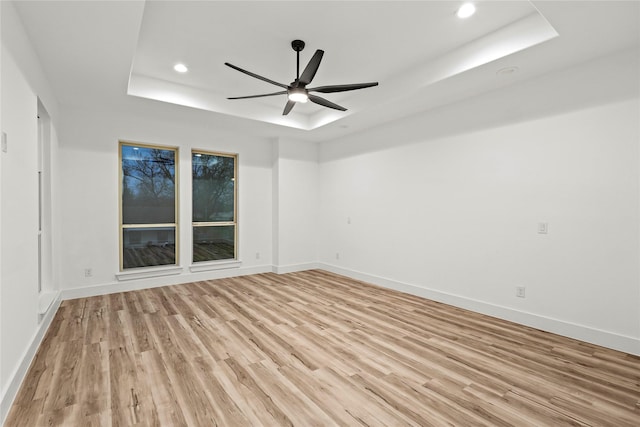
(214, 265)
(158, 281)
(283, 269)
(145, 273)
(607, 339)
(13, 385)
(45, 299)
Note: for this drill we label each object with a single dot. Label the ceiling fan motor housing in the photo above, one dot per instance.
(297, 45)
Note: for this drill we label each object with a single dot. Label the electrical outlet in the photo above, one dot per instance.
(257, 255)
(4, 142)
(88, 272)
(337, 255)
(520, 291)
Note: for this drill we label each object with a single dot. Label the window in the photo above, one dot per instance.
(148, 208)
(215, 226)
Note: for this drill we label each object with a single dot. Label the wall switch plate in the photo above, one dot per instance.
(543, 227)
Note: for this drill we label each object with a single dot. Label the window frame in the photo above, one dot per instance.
(234, 223)
(176, 225)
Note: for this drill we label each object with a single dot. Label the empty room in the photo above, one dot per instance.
(320, 213)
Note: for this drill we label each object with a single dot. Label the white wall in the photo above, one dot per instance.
(296, 205)
(19, 217)
(455, 218)
(278, 197)
(2, 380)
(21, 325)
(89, 191)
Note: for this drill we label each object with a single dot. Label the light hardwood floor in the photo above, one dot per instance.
(312, 349)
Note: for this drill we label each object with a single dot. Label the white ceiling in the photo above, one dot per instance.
(107, 52)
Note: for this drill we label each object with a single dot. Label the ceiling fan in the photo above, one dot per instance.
(297, 90)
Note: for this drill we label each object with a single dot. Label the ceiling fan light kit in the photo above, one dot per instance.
(297, 91)
(298, 95)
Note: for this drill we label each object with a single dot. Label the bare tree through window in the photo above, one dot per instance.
(214, 206)
(148, 205)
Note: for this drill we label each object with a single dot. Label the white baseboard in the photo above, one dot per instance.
(155, 282)
(136, 284)
(283, 269)
(9, 394)
(607, 339)
(580, 332)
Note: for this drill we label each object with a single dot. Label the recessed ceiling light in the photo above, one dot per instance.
(181, 68)
(466, 10)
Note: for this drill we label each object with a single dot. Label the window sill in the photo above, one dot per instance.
(145, 273)
(214, 265)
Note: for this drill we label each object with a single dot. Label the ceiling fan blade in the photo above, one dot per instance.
(342, 88)
(249, 73)
(312, 67)
(325, 103)
(283, 92)
(288, 107)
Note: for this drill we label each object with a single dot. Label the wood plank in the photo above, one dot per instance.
(312, 348)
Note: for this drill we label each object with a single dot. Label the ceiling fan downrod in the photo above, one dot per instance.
(297, 45)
